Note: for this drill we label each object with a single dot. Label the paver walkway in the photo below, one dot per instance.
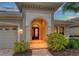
(6, 52)
(40, 52)
(39, 48)
(38, 44)
(35, 52)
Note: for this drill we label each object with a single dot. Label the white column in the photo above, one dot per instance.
(52, 21)
(25, 27)
(24, 32)
(27, 33)
(18, 33)
(51, 24)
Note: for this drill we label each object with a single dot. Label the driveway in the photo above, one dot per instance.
(6, 52)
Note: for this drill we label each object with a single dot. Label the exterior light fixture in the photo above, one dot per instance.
(20, 31)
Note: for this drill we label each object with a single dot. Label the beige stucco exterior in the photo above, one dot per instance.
(38, 11)
(30, 15)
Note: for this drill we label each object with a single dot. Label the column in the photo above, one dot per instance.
(52, 21)
(24, 24)
(18, 34)
(51, 24)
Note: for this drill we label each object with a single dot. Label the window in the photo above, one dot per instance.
(1, 28)
(61, 30)
(14, 28)
(6, 28)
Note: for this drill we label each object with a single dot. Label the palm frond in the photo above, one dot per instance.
(71, 6)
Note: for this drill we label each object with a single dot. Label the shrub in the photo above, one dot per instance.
(16, 47)
(56, 41)
(19, 47)
(73, 43)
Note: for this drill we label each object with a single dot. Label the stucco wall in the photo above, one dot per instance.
(31, 14)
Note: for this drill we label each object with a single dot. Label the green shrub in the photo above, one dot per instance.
(56, 41)
(73, 43)
(19, 47)
(16, 47)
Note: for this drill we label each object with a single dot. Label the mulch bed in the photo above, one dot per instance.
(66, 52)
(26, 53)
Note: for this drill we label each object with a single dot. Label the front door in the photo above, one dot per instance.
(35, 33)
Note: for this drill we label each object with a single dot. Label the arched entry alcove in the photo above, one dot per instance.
(38, 31)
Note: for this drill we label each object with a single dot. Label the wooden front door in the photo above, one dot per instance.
(35, 33)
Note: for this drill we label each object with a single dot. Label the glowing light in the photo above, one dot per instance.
(20, 31)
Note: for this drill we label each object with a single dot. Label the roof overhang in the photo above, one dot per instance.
(63, 23)
(10, 17)
(39, 5)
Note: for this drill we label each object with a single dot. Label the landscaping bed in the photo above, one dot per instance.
(25, 53)
(21, 48)
(66, 52)
(58, 45)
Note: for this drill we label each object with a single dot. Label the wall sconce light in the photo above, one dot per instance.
(20, 31)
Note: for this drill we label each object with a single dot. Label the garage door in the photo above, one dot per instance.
(8, 35)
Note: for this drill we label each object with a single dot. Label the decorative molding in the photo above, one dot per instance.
(36, 6)
(43, 6)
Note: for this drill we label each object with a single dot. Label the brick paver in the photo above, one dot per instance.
(6, 52)
(35, 52)
(40, 52)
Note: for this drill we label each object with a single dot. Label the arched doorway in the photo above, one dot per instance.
(38, 31)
